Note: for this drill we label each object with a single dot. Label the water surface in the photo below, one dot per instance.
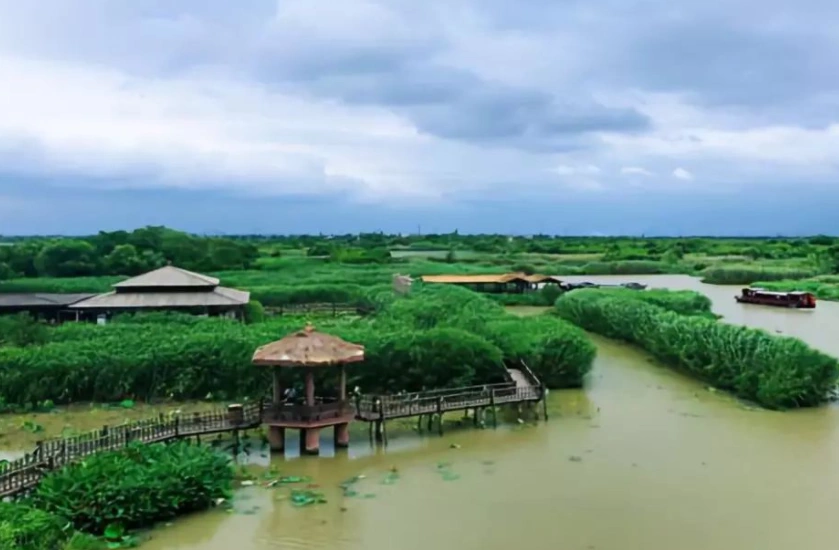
(642, 459)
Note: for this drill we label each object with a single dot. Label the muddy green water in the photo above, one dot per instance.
(642, 459)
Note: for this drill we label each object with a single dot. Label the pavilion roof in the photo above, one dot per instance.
(308, 348)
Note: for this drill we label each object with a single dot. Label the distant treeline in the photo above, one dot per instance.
(123, 253)
(129, 253)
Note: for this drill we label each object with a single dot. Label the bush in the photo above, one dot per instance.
(135, 487)
(254, 312)
(776, 372)
(559, 353)
(435, 358)
(25, 528)
(22, 330)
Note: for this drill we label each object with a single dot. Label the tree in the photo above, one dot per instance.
(124, 260)
(67, 258)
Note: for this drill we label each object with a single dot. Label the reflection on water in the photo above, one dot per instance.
(642, 459)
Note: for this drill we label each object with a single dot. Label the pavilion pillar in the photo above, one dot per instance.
(342, 435)
(278, 390)
(276, 439)
(310, 387)
(342, 390)
(310, 439)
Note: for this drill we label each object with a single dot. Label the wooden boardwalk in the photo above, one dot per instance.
(522, 386)
(19, 476)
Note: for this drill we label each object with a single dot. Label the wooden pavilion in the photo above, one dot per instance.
(308, 350)
(166, 289)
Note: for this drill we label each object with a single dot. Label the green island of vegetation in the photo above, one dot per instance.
(433, 336)
(93, 504)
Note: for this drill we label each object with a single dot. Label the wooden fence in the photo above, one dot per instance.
(326, 308)
(24, 473)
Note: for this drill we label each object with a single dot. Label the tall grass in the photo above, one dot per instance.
(748, 274)
(776, 372)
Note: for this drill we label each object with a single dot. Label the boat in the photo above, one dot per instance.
(634, 286)
(795, 299)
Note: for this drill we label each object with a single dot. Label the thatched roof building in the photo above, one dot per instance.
(308, 348)
(168, 288)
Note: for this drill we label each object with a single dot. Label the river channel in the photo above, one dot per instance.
(641, 459)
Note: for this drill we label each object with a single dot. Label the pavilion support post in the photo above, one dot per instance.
(310, 387)
(440, 415)
(342, 435)
(494, 408)
(310, 437)
(276, 439)
(545, 402)
(419, 423)
(278, 390)
(342, 391)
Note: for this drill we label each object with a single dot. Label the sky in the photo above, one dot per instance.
(302, 116)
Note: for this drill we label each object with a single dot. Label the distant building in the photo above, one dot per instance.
(502, 283)
(41, 305)
(166, 289)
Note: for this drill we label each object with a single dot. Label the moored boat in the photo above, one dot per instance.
(796, 299)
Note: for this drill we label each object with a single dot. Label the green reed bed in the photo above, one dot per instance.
(825, 287)
(435, 337)
(748, 274)
(95, 504)
(776, 372)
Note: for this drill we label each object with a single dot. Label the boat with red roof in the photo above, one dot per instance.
(795, 299)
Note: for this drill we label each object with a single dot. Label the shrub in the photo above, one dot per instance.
(254, 312)
(776, 372)
(22, 330)
(435, 358)
(135, 487)
(559, 353)
(25, 528)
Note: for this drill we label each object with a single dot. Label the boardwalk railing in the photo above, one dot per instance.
(531, 377)
(441, 401)
(325, 308)
(24, 473)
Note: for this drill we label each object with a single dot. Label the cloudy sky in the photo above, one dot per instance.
(557, 116)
